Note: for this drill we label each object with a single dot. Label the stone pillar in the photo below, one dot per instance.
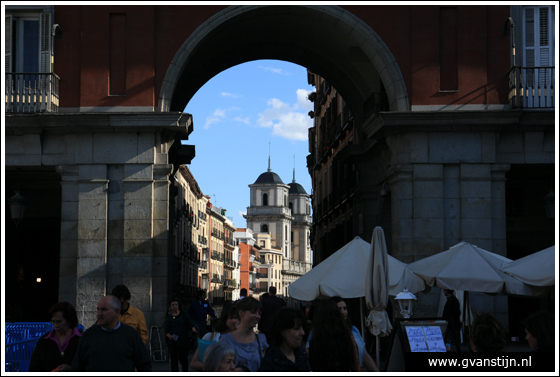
(159, 272)
(92, 237)
(401, 187)
(498, 173)
(428, 211)
(68, 235)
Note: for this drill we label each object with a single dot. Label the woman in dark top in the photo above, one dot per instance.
(176, 331)
(56, 349)
(286, 353)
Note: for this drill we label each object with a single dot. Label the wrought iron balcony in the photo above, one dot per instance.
(32, 92)
(531, 87)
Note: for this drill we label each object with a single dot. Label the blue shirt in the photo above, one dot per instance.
(248, 354)
(199, 310)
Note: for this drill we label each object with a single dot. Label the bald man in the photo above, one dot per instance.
(110, 346)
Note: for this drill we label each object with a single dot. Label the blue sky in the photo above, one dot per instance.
(236, 115)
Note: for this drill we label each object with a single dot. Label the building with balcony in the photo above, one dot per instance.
(270, 270)
(249, 261)
(471, 159)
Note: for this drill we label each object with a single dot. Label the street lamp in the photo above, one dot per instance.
(406, 302)
(17, 206)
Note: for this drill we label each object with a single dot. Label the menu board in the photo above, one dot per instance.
(425, 338)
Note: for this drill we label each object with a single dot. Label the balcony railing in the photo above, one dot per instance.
(531, 87)
(32, 92)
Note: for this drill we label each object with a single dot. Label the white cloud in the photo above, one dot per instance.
(217, 116)
(278, 71)
(245, 120)
(302, 100)
(289, 122)
(232, 95)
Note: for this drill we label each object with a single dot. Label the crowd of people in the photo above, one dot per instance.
(319, 336)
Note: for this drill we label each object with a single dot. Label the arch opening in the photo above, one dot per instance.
(328, 40)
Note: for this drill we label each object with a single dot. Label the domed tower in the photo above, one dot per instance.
(269, 212)
(298, 202)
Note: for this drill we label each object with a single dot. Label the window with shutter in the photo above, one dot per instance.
(538, 55)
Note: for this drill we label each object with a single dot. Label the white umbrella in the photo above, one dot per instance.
(377, 287)
(535, 269)
(470, 268)
(343, 274)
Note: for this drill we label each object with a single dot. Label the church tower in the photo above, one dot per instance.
(298, 202)
(269, 211)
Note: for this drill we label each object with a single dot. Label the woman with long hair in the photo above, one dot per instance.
(286, 333)
(56, 349)
(539, 332)
(331, 345)
(366, 361)
(227, 322)
(250, 347)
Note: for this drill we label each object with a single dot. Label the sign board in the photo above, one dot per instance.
(425, 335)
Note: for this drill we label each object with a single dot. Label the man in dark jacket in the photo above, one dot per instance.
(270, 306)
(198, 312)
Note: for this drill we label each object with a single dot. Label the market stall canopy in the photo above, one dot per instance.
(469, 268)
(343, 274)
(535, 269)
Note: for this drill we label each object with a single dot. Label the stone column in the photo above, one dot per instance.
(498, 173)
(159, 273)
(83, 238)
(401, 187)
(68, 235)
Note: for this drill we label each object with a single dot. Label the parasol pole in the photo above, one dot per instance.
(362, 323)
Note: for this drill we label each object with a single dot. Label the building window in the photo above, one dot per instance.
(25, 47)
(264, 228)
(265, 199)
(291, 206)
(292, 236)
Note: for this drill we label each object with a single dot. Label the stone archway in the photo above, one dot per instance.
(328, 40)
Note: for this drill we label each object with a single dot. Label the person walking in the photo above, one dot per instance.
(198, 312)
(109, 345)
(177, 325)
(286, 353)
(270, 305)
(55, 350)
(130, 315)
(452, 314)
(250, 347)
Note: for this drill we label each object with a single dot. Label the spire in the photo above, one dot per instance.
(268, 156)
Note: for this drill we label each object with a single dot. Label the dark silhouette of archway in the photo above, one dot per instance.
(328, 40)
